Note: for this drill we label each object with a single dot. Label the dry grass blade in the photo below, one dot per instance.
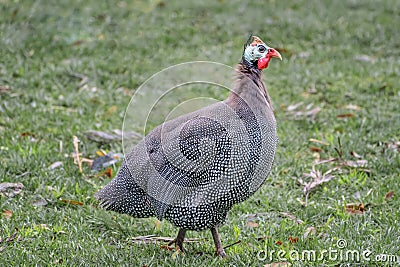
(76, 158)
(291, 217)
(154, 239)
(327, 161)
(72, 202)
(318, 141)
(230, 245)
(11, 237)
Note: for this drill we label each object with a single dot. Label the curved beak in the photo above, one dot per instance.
(273, 53)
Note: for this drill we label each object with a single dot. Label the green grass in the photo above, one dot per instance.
(118, 45)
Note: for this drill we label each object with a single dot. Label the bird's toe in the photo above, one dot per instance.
(221, 254)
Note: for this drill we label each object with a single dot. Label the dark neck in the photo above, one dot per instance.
(249, 84)
(248, 64)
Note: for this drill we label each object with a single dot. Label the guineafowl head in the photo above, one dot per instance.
(257, 54)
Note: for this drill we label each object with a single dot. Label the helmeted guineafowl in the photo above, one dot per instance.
(191, 170)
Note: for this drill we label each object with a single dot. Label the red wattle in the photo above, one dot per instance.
(263, 63)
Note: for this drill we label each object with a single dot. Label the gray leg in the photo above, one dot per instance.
(178, 241)
(219, 250)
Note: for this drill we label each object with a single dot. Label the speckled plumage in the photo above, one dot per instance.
(193, 169)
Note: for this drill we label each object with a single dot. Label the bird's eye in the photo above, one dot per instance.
(261, 49)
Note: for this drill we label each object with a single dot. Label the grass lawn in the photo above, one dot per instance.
(67, 67)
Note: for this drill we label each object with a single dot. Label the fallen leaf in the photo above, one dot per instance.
(11, 189)
(27, 134)
(166, 247)
(111, 110)
(128, 135)
(318, 178)
(313, 112)
(41, 202)
(393, 145)
(4, 89)
(7, 214)
(318, 141)
(352, 107)
(56, 165)
(354, 154)
(291, 217)
(78, 42)
(345, 115)
(72, 202)
(294, 106)
(355, 208)
(293, 240)
(116, 136)
(365, 58)
(356, 164)
(315, 149)
(389, 195)
(278, 264)
(279, 242)
(108, 172)
(310, 230)
(252, 224)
